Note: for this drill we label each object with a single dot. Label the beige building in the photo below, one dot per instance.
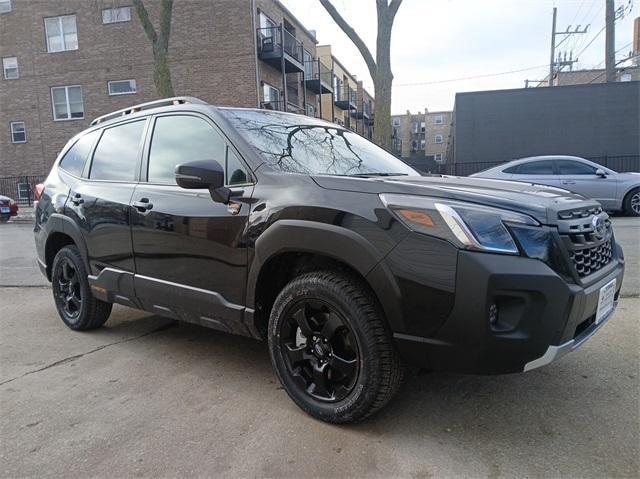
(66, 62)
(421, 138)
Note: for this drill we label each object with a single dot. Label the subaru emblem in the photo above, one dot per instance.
(599, 227)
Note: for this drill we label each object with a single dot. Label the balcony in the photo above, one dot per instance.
(345, 98)
(363, 113)
(317, 77)
(271, 51)
(280, 105)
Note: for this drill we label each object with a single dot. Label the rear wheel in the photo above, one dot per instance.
(632, 203)
(331, 349)
(77, 307)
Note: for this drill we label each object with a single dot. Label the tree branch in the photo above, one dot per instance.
(143, 15)
(353, 36)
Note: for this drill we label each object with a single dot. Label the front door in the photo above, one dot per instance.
(581, 178)
(190, 254)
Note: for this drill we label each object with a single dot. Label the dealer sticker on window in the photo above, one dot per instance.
(605, 300)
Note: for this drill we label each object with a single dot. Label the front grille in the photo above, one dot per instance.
(579, 213)
(591, 259)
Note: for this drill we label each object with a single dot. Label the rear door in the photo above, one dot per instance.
(540, 171)
(581, 178)
(191, 255)
(99, 203)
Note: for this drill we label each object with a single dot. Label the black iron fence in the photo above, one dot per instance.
(616, 163)
(20, 188)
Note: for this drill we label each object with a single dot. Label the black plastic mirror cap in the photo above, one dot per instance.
(200, 174)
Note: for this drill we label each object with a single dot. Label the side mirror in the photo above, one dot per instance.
(601, 173)
(204, 174)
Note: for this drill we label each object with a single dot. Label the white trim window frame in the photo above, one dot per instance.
(15, 130)
(116, 15)
(437, 157)
(270, 94)
(439, 139)
(133, 89)
(69, 104)
(8, 64)
(5, 6)
(438, 119)
(61, 33)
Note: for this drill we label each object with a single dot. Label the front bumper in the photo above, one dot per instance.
(540, 318)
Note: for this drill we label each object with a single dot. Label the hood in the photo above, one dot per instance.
(541, 202)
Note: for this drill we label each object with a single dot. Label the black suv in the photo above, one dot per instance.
(298, 231)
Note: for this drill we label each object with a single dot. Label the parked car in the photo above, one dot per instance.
(614, 191)
(8, 208)
(298, 231)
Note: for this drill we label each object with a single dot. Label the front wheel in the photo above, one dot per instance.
(632, 203)
(331, 348)
(77, 307)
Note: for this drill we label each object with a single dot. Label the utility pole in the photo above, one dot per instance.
(610, 59)
(557, 66)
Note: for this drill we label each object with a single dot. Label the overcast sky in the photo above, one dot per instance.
(439, 40)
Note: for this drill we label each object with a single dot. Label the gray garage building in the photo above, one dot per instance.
(596, 121)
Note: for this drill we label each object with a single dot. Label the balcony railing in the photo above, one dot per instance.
(281, 105)
(346, 98)
(270, 48)
(317, 76)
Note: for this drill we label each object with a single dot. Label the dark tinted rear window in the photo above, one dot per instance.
(116, 155)
(75, 159)
(536, 168)
(511, 169)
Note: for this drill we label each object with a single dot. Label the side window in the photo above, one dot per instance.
(116, 155)
(235, 173)
(511, 170)
(536, 168)
(74, 160)
(568, 167)
(178, 139)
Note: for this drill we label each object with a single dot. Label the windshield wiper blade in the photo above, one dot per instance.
(365, 175)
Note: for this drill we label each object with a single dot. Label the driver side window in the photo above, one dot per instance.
(568, 167)
(182, 138)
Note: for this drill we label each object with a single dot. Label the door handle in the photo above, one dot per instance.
(77, 199)
(568, 182)
(143, 205)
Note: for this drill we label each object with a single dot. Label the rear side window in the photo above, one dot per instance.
(536, 168)
(74, 160)
(116, 155)
(568, 167)
(511, 169)
(179, 139)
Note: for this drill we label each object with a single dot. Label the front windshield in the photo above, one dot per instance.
(299, 144)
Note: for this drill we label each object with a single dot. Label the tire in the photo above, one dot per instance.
(345, 368)
(632, 203)
(77, 307)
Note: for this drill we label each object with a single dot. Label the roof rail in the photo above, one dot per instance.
(176, 100)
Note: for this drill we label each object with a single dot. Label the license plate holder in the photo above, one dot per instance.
(605, 300)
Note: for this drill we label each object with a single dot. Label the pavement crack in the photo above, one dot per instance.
(99, 348)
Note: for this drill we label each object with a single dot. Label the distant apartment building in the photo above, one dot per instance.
(421, 138)
(66, 62)
(349, 104)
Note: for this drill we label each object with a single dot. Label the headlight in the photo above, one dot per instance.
(471, 226)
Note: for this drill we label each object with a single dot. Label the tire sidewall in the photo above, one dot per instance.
(364, 389)
(627, 203)
(71, 253)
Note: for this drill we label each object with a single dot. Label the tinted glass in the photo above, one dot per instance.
(116, 155)
(236, 173)
(568, 167)
(179, 139)
(299, 144)
(75, 159)
(511, 169)
(536, 168)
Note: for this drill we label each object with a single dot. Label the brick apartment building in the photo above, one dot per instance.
(69, 61)
(421, 138)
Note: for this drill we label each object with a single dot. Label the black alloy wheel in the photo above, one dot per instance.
(68, 290)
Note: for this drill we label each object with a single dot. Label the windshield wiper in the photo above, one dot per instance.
(366, 175)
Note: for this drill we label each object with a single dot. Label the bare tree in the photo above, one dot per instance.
(380, 68)
(160, 44)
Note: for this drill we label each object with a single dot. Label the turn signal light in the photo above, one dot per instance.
(418, 217)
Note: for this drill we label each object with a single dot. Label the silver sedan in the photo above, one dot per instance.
(615, 191)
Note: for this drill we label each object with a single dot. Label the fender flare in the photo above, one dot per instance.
(329, 240)
(58, 223)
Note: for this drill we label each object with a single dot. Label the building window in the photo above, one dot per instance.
(438, 138)
(270, 97)
(396, 122)
(5, 6)
(438, 157)
(438, 119)
(311, 110)
(414, 127)
(625, 77)
(62, 34)
(116, 15)
(422, 126)
(10, 67)
(18, 132)
(422, 144)
(67, 103)
(121, 87)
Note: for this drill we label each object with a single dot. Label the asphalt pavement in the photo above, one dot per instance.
(145, 396)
